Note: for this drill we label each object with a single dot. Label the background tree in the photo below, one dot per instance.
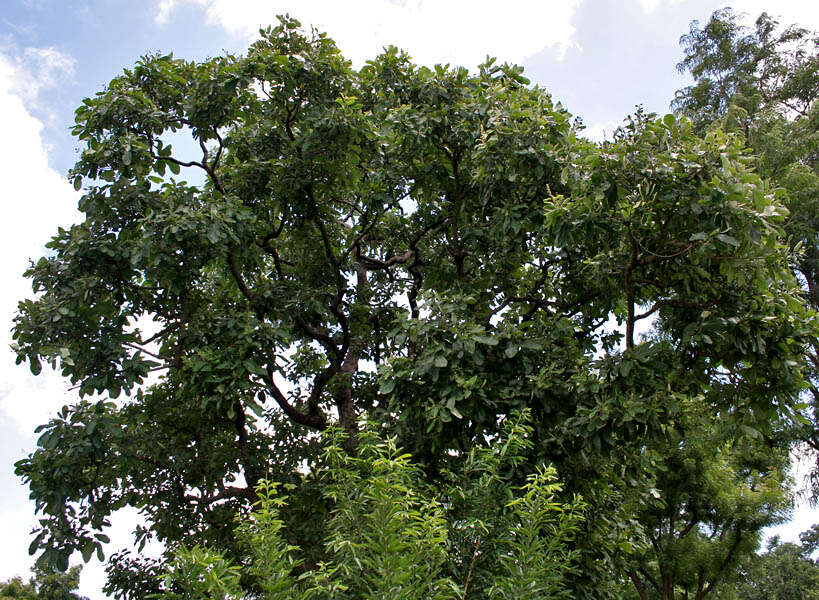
(784, 571)
(15, 588)
(45, 585)
(762, 83)
(716, 493)
(760, 70)
(429, 248)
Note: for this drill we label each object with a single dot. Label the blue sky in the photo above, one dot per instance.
(600, 58)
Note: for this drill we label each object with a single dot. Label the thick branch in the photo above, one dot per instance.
(639, 585)
(246, 291)
(630, 292)
(224, 494)
(252, 475)
(374, 264)
(690, 525)
(148, 352)
(165, 331)
(341, 288)
(671, 302)
(344, 396)
(313, 419)
(210, 169)
(650, 579)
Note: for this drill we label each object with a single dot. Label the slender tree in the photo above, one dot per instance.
(762, 83)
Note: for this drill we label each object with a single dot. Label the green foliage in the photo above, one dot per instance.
(717, 491)
(45, 585)
(784, 572)
(762, 84)
(753, 69)
(387, 539)
(429, 250)
(389, 536)
(15, 588)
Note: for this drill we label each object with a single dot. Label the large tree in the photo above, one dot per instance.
(430, 248)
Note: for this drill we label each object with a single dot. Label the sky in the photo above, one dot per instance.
(600, 58)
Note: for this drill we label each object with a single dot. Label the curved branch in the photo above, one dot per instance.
(313, 419)
(246, 291)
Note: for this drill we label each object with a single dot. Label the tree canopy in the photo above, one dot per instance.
(784, 571)
(430, 249)
(46, 584)
(761, 84)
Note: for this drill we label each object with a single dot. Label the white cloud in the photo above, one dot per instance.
(801, 12)
(36, 200)
(649, 5)
(44, 69)
(460, 32)
(598, 132)
(16, 526)
(804, 13)
(33, 72)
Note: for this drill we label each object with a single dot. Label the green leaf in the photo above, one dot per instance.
(88, 550)
(727, 239)
(35, 543)
(252, 367)
(750, 431)
(213, 234)
(625, 368)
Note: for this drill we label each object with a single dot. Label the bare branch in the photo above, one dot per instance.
(148, 352)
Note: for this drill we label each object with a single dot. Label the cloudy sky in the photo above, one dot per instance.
(599, 57)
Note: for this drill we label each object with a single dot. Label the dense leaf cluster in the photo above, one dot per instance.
(388, 536)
